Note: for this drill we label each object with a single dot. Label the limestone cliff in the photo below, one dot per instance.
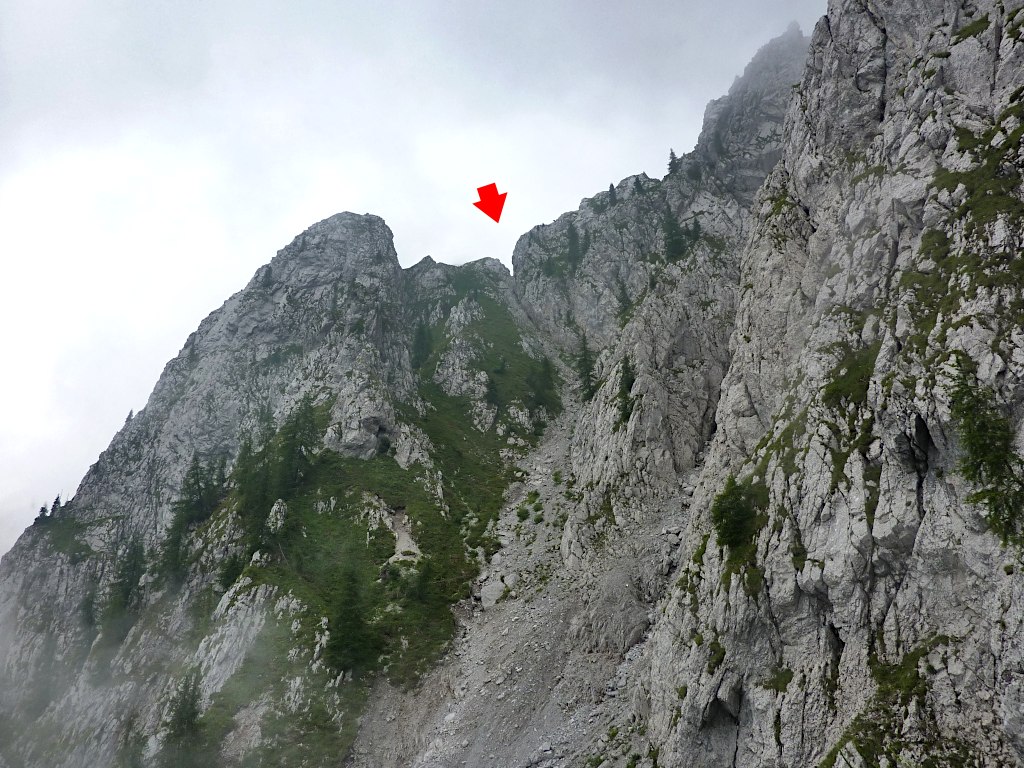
(727, 473)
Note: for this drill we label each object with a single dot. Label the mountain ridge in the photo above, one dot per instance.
(703, 481)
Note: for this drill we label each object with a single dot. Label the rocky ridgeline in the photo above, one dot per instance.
(870, 616)
(727, 474)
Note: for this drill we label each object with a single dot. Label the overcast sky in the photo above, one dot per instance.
(154, 154)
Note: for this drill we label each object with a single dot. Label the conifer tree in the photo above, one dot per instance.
(354, 644)
(186, 743)
(125, 598)
(673, 161)
(421, 346)
(491, 396)
(574, 254)
(202, 489)
(252, 484)
(296, 441)
(676, 244)
(41, 517)
(585, 368)
(612, 197)
(543, 392)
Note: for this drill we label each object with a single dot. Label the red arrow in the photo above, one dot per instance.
(491, 202)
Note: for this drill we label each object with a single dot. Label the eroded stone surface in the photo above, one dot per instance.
(616, 631)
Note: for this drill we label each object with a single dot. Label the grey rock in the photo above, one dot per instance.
(801, 339)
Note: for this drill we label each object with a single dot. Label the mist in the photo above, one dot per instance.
(157, 154)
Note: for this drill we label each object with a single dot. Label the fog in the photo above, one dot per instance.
(156, 154)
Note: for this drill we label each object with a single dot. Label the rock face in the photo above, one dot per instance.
(727, 474)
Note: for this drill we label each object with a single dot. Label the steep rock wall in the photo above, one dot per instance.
(876, 615)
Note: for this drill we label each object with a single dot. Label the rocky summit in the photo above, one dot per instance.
(727, 473)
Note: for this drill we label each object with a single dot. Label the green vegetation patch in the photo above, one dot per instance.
(330, 553)
(877, 732)
(318, 734)
(1014, 24)
(989, 461)
(474, 474)
(975, 28)
(63, 532)
(855, 435)
(786, 445)
(738, 514)
(875, 171)
(330, 556)
(626, 402)
(993, 185)
(125, 600)
(513, 376)
(778, 680)
(566, 259)
(584, 363)
(517, 377)
(680, 241)
(988, 191)
(872, 478)
(849, 379)
(717, 656)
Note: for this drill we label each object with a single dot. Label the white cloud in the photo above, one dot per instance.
(156, 154)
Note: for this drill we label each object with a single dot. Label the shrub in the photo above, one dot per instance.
(355, 644)
(422, 346)
(491, 396)
(850, 378)
(186, 743)
(230, 569)
(973, 29)
(543, 390)
(202, 490)
(717, 655)
(735, 512)
(679, 240)
(778, 680)
(799, 553)
(125, 598)
(989, 461)
(585, 368)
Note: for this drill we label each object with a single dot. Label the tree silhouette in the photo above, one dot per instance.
(575, 254)
(673, 161)
(585, 368)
